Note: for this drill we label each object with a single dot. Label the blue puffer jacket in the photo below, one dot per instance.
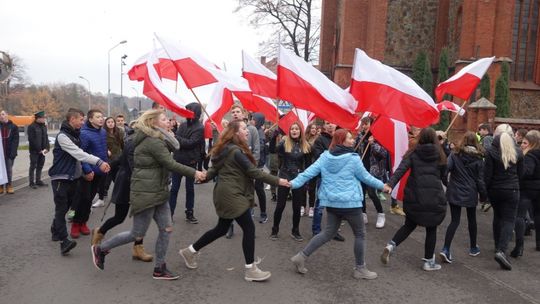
(340, 177)
(94, 141)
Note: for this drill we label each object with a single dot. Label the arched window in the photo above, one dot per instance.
(524, 34)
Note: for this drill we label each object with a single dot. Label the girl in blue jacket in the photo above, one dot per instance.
(341, 172)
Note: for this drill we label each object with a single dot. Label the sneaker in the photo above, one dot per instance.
(70, 215)
(365, 218)
(41, 184)
(98, 257)
(255, 274)
(474, 251)
(84, 229)
(302, 211)
(274, 198)
(297, 237)
(299, 262)
(385, 256)
(338, 237)
(33, 186)
(230, 232)
(267, 187)
(446, 256)
(500, 257)
(381, 196)
(162, 273)
(191, 219)
(311, 211)
(363, 273)
(485, 207)
(273, 237)
(190, 258)
(430, 265)
(98, 203)
(66, 246)
(397, 210)
(381, 219)
(75, 231)
(263, 219)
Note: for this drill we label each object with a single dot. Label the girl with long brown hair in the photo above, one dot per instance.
(235, 168)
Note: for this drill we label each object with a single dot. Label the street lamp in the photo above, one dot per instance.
(89, 93)
(109, 76)
(138, 99)
(122, 64)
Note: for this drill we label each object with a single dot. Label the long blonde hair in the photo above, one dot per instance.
(507, 144)
(147, 122)
(289, 144)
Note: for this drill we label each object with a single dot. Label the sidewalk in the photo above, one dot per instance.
(21, 166)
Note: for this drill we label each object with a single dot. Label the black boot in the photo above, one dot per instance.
(190, 218)
(517, 252)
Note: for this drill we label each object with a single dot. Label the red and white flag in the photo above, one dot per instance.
(464, 82)
(385, 91)
(154, 87)
(450, 106)
(307, 88)
(218, 105)
(392, 135)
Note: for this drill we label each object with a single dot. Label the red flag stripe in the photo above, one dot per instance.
(261, 85)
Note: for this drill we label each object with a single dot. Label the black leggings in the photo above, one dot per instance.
(248, 240)
(373, 196)
(261, 195)
(120, 214)
(298, 198)
(455, 211)
(408, 227)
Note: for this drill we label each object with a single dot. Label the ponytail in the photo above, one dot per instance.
(508, 150)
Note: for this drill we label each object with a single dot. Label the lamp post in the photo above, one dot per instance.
(122, 64)
(89, 93)
(109, 76)
(138, 99)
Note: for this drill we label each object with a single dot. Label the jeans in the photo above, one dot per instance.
(63, 195)
(161, 215)
(261, 195)
(190, 191)
(317, 214)
(120, 214)
(408, 228)
(248, 240)
(88, 190)
(373, 196)
(334, 217)
(505, 204)
(298, 197)
(9, 169)
(37, 160)
(455, 212)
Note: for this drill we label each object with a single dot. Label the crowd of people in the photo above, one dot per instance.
(318, 168)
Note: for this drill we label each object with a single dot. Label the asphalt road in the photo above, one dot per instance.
(32, 270)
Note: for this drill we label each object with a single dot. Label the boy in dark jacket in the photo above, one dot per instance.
(9, 134)
(38, 146)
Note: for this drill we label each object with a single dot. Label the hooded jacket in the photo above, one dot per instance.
(263, 149)
(9, 134)
(341, 171)
(94, 141)
(495, 175)
(234, 189)
(190, 135)
(466, 178)
(424, 200)
(152, 163)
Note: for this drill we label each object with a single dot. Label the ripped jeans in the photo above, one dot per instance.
(141, 221)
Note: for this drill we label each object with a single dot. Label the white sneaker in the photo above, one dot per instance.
(365, 218)
(380, 220)
(311, 211)
(98, 203)
(267, 187)
(302, 211)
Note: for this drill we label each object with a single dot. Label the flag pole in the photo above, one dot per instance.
(365, 151)
(454, 119)
(364, 137)
(197, 98)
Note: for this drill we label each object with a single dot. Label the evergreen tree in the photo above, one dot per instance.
(444, 118)
(502, 92)
(485, 87)
(419, 68)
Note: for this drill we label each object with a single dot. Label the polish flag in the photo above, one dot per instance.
(450, 106)
(287, 121)
(385, 91)
(164, 67)
(307, 88)
(392, 135)
(218, 105)
(261, 80)
(156, 90)
(464, 82)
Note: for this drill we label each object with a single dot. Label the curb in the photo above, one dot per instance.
(22, 182)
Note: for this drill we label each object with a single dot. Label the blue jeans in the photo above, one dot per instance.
(317, 213)
(190, 191)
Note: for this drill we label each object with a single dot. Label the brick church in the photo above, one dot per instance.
(395, 31)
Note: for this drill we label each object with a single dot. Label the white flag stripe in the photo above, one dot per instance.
(477, 68)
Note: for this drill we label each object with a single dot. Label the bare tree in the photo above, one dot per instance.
(291, 23)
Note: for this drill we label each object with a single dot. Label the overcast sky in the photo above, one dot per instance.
(60, 40)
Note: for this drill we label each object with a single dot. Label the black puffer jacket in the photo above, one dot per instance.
(190, 135)
(466, 170)
(37, 137)
(292, 163)
(530, 177)
(495, 175)
(125, 163)
(424, 202)
(321, 144)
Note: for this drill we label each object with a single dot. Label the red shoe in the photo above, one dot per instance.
(75, 230)
(84, 229)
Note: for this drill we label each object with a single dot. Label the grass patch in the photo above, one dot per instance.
(23, 147)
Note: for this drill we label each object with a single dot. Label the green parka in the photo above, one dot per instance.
(234, 189)
(152, 164)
